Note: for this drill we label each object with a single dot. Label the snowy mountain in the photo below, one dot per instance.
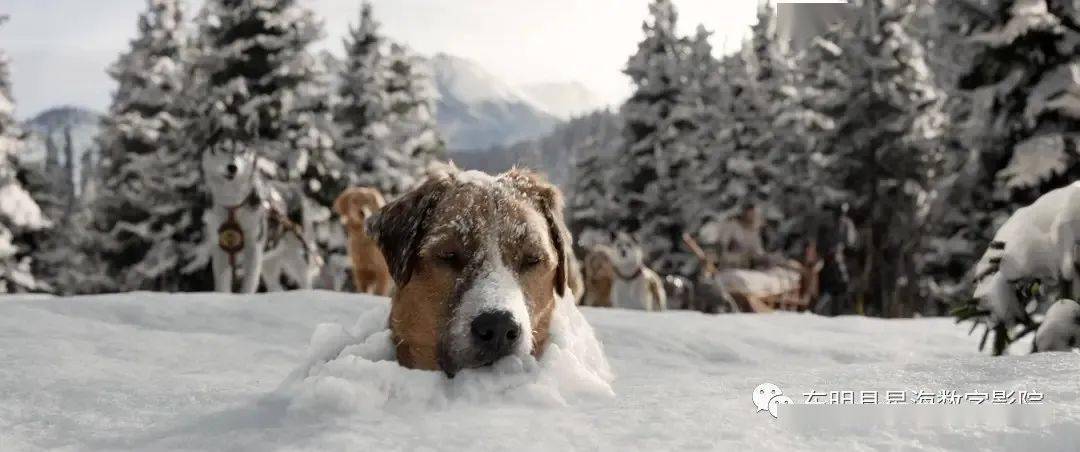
(553, 154)
(84, 124)
(564, 99)
(476, 110)
(150, 371)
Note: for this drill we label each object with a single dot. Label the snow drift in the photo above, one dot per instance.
(354, 370)
(147, 371)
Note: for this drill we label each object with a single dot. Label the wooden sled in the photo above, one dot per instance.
(774, 289)
(788, 286)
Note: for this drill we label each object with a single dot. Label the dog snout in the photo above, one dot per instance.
(495, 334)
(231, 169)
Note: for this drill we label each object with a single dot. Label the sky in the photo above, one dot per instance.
(59, 49)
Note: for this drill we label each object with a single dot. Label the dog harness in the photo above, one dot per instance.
(231, 238)
(633, 275)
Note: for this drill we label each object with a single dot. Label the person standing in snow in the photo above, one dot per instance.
(831, 233)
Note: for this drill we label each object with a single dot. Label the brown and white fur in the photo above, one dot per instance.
(479, 262)
(599, 276)
(369, 270)
(635, 285)
(232, 177)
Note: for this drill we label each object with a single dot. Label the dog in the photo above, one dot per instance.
(246, 226)
(480, 262)
(369, 270)
(599, 277)
(635, 285)
(680, 292)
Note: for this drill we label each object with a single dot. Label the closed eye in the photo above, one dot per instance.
(450, 258)
(530, 261)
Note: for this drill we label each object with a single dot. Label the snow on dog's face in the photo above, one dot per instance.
(628, 256)
(229, 168)
(1060, 330)
(478, 261)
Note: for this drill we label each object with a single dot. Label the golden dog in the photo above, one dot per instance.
(370, 273)
(599, 277)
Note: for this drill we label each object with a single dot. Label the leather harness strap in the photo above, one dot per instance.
(632, 275)
(231, 239)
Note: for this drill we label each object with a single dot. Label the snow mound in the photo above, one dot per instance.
(194, 372)
(353, 370)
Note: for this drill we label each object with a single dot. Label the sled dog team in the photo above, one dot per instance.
(254, 238)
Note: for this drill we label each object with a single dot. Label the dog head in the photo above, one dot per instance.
(479, 262)
(598, 266)
(1060, 330)
(229, 168)
(628, 256)
(356, 204)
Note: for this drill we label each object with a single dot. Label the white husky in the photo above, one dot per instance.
(247, 230)
(635, 285)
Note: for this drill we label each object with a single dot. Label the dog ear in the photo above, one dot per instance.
(379, 201)
(548, 199)
(342, 203)
(399, 227)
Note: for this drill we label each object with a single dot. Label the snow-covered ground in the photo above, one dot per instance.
(149, 371)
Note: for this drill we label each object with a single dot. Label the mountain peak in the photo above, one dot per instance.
(470, 82)
(564, 99)
(477, 110)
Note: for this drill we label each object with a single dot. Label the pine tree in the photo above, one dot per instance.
(142, 217)
(591, 205)
(361, 110)
(657, 152)
(882, 151)
(64, 258)
(1012, 66)
(1019, 68)
(20, 215)
(411, 93)
(708, 96)
(255, 66)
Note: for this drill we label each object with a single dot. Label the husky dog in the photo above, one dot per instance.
(247, 230)
(635, 285)
(680, 292)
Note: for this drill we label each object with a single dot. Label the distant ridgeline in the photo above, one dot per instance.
(554, 154)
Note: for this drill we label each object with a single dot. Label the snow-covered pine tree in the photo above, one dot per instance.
(657, 152)
(20, 215)
(709, 95)
(774, 129)
(64, 258)
(410, 96)
(1020, 65)
(591, 204)
(147, 205)
(882, 153)
(44, 181)
(961, 225)
(1017, 62)
(361, 109)
(254, 64)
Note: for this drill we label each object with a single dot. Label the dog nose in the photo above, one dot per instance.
(495, 334)
(231, 169)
